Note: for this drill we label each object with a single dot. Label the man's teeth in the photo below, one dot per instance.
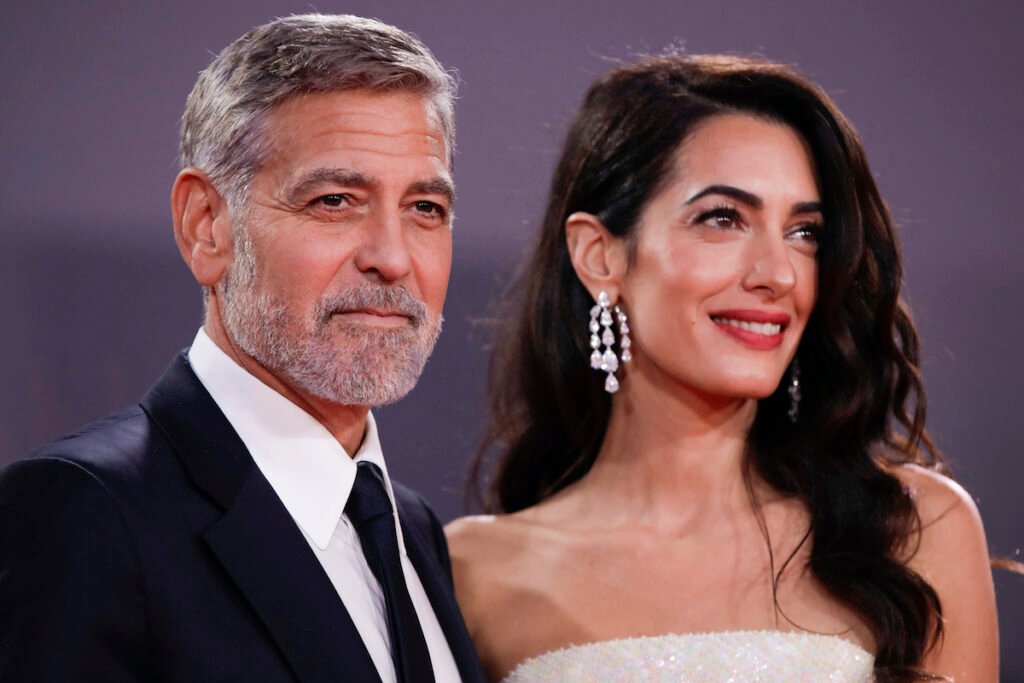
(767, 329)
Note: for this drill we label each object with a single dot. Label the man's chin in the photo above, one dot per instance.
(372, 394)
(364, 376)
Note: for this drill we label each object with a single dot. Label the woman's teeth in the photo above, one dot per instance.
(767, 329)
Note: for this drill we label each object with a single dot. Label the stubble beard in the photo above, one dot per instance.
(319, 352)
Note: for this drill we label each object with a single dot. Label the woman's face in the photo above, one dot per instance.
(725, 270)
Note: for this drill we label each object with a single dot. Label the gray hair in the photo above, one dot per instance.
(223, 127)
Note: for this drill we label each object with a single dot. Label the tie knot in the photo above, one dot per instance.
(369, 498)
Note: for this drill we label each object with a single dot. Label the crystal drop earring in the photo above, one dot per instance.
(601, 334)
(624, 341)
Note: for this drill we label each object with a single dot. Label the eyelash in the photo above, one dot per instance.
(812, 229)
(422, 205)
(325, 199)
(432, 207)
(720, 211)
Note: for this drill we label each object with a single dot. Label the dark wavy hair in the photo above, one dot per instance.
(863, 405)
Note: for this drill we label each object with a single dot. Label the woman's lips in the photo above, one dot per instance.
(762, 330)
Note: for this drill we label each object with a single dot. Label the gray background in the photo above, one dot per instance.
(96, 301)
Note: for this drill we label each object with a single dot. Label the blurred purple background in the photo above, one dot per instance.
(96, 300)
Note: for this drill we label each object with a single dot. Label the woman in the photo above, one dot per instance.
(714, 464)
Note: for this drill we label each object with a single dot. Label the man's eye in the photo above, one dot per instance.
(333, 200)
(430, 208)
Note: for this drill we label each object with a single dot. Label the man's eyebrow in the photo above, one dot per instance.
(325, 176)
(438, 185)
(736, 193)
(349, 178)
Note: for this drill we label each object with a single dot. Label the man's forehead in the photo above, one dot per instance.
(390, 122)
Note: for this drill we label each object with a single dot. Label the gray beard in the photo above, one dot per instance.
(323, 355)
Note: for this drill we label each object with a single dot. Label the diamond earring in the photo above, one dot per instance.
(601, 322)
(794, 391)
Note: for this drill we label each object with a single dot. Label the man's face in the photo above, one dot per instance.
(343, 253)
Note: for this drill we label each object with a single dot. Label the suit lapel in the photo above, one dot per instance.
(266, 555)
(256, 540)
(442, 599)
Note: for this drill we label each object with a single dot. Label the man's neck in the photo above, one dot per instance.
(346, 423)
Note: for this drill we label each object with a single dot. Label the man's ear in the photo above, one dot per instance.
(599, 258)
(202, 226)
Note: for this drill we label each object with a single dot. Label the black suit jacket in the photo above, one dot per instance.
(149, 547)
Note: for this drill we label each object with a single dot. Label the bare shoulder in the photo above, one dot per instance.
(464, 532)
(950, 520)
(951, 554)
(486, 551)
(483, 539)
(951, 543)
(509, 572)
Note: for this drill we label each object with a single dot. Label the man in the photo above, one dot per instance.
(238, 524)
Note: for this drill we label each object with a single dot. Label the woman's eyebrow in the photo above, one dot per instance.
(751, 199)
(736, 193)
(808, 207)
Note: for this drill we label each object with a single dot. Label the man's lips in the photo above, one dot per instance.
(378, 317)
(755, 328)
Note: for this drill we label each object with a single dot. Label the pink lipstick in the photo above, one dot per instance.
(757, 329)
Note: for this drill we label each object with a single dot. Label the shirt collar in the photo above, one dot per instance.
(306, 466)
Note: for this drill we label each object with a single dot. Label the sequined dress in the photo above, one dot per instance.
(724, 657)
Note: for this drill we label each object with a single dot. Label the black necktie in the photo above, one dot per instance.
(369, 509)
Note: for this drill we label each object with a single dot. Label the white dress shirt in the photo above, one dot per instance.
(313, 476)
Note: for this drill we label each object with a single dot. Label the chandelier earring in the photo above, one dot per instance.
(601, 333)
(794, 391)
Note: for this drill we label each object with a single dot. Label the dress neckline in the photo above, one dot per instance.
(695, 636)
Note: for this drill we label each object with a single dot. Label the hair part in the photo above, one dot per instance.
(863, 406)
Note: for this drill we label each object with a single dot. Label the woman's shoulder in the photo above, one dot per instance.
(490, 554)
(951, 554)
(473, 536)
(488, 539)
(946, 510)
(950, 538)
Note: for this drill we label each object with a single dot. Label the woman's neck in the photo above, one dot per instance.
(669, 459)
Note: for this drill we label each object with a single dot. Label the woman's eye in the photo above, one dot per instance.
(721, 218)
(809, 232)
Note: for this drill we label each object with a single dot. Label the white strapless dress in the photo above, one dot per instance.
(723, 657)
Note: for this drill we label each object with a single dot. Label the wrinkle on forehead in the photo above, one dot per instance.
(357, 113)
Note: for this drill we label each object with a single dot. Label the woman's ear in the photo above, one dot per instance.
(599, 257)
(202, 226)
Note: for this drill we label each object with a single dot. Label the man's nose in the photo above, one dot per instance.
(384, 252)
(770, 267)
